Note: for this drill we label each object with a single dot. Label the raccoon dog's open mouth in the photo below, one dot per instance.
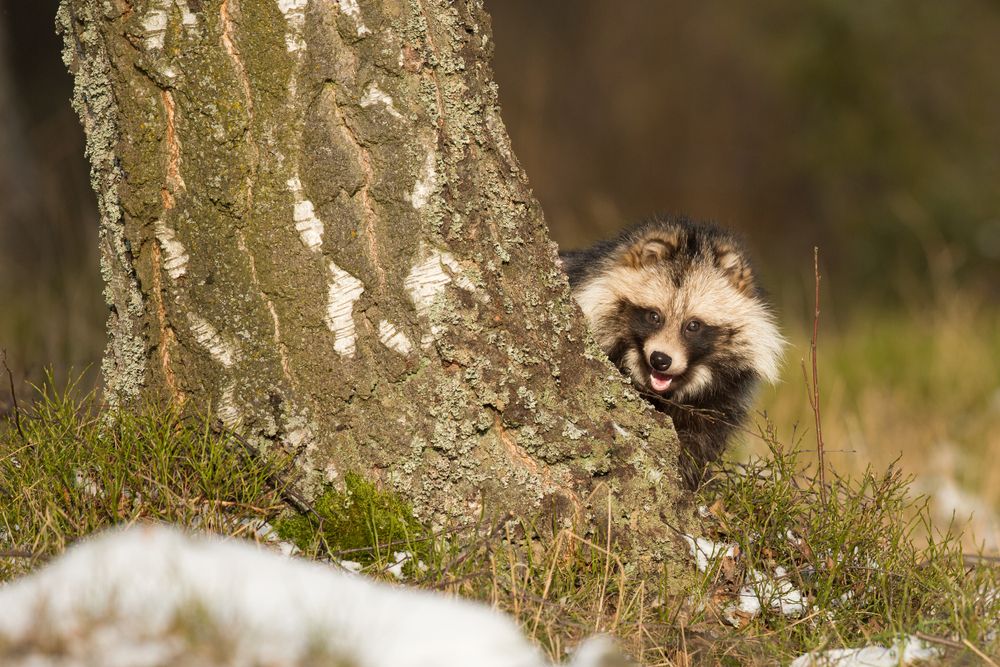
(660, 382)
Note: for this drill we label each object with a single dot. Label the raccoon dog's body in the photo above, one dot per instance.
(675, 305)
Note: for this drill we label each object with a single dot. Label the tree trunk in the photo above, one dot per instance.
(312, 221)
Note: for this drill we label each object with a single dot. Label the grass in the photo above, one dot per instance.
(67, 470)
(918, 389)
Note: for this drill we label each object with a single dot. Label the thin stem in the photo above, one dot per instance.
(814, 399)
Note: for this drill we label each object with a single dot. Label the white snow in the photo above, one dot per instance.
(760, 591)
(351, 566)
(208, 337)
(175, 256)
(265, 532)
(345, 290)
(766, 592)
(375, 95)
(399, 558)
(125, 598)
(426, 183)
(307, 224)
(705, 551)
(950, 501)
(393, 338)
(904, 651)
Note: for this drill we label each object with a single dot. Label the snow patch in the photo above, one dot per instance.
(175, 257)
(118, 599)
(400, 558)
(209, 338)
(949, 500)
(393, 338)
(345, 290)
(375, 95)
(426, 182)
(705, 551)
(904, 651)
(307, 224)
(351, 566)
(266, 533)
(764, 592)
(351, 8)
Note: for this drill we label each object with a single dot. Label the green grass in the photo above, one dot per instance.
(919, 389)
(68, 470)
(852, 547)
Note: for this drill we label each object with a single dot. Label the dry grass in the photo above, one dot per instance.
(67, 472)
(918, 389)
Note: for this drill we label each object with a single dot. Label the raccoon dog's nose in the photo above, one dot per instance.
(660, 362)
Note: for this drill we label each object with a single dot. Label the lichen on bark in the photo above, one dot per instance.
(317, 228)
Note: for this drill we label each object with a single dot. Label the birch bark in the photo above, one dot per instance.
(312, 221)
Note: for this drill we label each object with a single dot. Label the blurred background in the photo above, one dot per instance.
(871, 130)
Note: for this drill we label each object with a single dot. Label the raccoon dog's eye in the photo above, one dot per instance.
(692, 326)
(653, 317)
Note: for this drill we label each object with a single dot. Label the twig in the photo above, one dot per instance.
(814, 388)
(225, 504)
(445, 583)
(281, 486)
(548, 581)
(934, 639)
(978, 559)
(16, 553)
(472, 548)
(395, 543)
(985, 658)
(13, 398)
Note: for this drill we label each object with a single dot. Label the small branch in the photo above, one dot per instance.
(13, 398)
(474, 546)
(279, 485)
(982, 656)
(16, 553)
(934, 639)
(980, 559)
(813, 387)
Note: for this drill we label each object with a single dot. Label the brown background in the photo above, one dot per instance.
(869, 129)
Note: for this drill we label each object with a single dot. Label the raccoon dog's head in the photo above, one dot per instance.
(676, 306)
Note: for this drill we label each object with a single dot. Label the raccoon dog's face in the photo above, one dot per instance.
(675, 306)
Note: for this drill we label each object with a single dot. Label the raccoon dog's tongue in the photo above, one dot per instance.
(660, 381)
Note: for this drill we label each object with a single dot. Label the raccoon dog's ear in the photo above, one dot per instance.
(651, 249)
(735, 266)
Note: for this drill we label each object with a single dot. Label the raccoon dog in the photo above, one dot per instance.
(675, 305)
